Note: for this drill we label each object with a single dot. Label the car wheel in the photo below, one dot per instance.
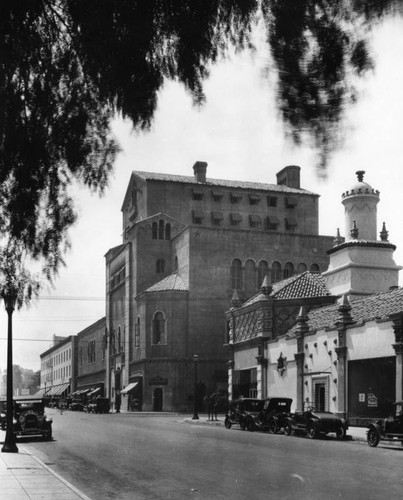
(287, 428)
(228, 423)
(273, 426)
(242, 424)
(250, 424)
(341, 432)
(373, 438)
(311, 430)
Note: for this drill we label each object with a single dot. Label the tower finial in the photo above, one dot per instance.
(384, 233)
(360, 175)
(354, 230)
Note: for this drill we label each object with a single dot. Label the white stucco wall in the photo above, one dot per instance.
(371, 340)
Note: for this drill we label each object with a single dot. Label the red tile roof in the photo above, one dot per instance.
(171, 283)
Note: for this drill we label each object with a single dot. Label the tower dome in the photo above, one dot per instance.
(360, 205)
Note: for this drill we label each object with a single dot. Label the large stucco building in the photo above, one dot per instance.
(188, 243)
(345, 355)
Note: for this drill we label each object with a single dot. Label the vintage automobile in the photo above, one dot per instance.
(387, 429)
(244, 412)
(98, 405)
(29, 418)
(315, 423)
(77, 405)
(274, 413)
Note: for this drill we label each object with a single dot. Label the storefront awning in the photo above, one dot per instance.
(129, 388)
(94, 392)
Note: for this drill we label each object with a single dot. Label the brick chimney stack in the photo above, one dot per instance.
(200, 169)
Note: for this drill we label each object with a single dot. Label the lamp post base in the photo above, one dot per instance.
(9, 448)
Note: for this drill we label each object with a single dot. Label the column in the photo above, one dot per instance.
(299, 358)
(341, 381)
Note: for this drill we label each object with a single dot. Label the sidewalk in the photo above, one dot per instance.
(23, 476)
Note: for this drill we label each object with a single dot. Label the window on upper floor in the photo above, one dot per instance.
(254, 199)
(250, 276)
(236, 219)
(235, 197)
(217, 195)
(236, 274)
(198, 193)
(262, 271)
(137, 333)
(161, 230)
(288, 270)
(160, 266)
(314, 268)
(291, 224)
(217, 218)
(158, 328)
(271, 223)
(91, 351)
(272, 201)
(197, 216)
(291, 202)
(275, 272)
(301, 268)
(255, 221)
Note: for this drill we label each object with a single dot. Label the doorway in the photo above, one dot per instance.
(157, 399)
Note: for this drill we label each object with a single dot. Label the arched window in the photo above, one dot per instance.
(160, 266)
(119, 346)
(288, 270)
(176, 264)
(158, 334)
(250, 276)
(161, 227)
(155, 231)
(168, 231)
(262, 271)
(236, 274)
(301, 268)
(314, 268)
(275, 272)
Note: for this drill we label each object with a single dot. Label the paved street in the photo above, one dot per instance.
(133, 456)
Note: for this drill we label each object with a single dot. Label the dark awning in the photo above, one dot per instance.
(94, 392)
(254, 197)
(236, 196)
(198, 191)
(291, 201)
(129, 388)
(198, 214)
(291, 222)
(217, 194)
(273, 220)
(217, 215)
(236, 217)
(255, 219)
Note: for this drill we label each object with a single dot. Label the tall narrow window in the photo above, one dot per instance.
(236, 274)
(275, 272)
(161, 227)
(288, 270)
(176, 263)
(158, 334)
(262, 271)
(250, 276)
(168, 231)
(160, 266)
(155, 231)
(137, 333)
(314, 268)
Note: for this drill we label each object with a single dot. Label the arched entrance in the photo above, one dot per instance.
(157, 399)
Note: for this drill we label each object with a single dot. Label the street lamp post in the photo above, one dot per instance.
(9, 441)
(195, 361)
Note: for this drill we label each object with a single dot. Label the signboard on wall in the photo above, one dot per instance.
(372, 400)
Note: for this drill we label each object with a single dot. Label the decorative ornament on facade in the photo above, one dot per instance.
(281, 364)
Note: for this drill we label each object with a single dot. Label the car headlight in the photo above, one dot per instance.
(14, 421)
(2, 415)
(50, 420)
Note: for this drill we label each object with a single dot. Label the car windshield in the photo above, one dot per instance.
(399, 409)
(29, 406)
(250, 405)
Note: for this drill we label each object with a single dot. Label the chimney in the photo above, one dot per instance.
(200, 168)
(289, 176)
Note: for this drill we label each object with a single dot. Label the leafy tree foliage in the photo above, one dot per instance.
(67, 66)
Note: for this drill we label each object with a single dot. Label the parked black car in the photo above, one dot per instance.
(76, 405)
(29, 418)
(387, 429)
(315, 423)
(98, 405)
(274, 413)
(244, 412)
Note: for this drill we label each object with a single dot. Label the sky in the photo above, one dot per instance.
(239, 134)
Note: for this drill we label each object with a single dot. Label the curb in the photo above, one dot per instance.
(57, 476)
